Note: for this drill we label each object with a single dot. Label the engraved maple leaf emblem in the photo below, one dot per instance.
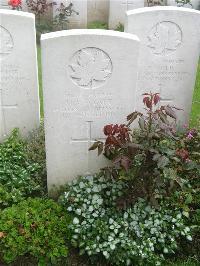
(91, 66)
(165, 37)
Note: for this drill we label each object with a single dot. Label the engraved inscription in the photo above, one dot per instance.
(93, 106)
(6, 42)
(168, 70)
(164, 38)
(129, 4)
(90, 68)
(8, 74)
(165, 77)
(11, 77)
(170, 74)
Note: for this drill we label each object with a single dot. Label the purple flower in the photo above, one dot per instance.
(189, 135)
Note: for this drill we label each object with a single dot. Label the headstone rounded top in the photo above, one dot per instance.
(93, 32)
(161, 8)
(16, 13)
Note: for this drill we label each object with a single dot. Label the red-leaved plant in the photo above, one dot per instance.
(136, 154)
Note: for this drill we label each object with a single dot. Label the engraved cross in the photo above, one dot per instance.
(128, 4)
(166, 99)
(89, 140)
(3, 107)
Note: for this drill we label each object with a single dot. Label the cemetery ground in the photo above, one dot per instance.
(28, 239)
(142, 210)
(37, 230)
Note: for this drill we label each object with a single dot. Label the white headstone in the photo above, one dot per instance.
(98, 10)
(194, 4)
(4, 4)
(78, 19)
(170, 43)
(19, 104)
(89, 81)
(118, 8)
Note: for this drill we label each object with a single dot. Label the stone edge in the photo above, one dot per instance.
(17, 13)
(163, 8)
(84, 32)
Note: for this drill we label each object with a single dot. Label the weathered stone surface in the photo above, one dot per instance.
(89, 81)
(4, 4)
(19, 101)
(118, 8)
(169, 54)
(98, 10)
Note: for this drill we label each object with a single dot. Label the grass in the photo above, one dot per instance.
(97, 25)
(40, 80)
(195, 113)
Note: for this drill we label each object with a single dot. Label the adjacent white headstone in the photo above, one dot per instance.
(170, 43)
(118, 8)
(78, 19)
(98, 10)
(4, 4)
(89, 81)
(19, 104)
(194, 4)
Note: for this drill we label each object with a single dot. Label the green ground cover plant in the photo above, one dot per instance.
(35, 152)
(102, 207)
(17, 172)
(146, 205)
(36, 227)
(144, 210)
(137, 235)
